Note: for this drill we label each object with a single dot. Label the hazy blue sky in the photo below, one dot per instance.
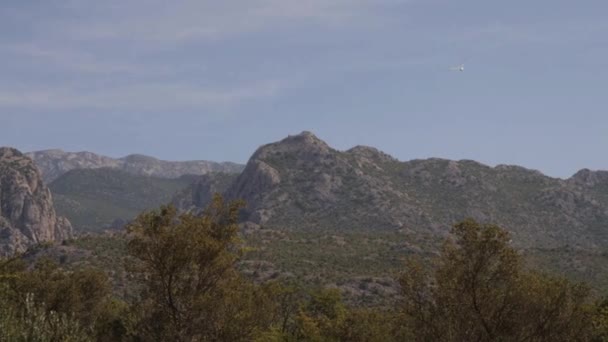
(212, 79)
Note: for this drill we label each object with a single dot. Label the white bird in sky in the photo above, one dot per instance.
(458, 68)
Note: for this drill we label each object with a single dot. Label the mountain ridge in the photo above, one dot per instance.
(302, 181)
(55, 162)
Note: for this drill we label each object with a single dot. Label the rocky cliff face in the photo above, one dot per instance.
(201, 192)
(302, 183)
(27, 215)
(54, 163)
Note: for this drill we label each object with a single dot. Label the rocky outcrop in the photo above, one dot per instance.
(257, 184)
(588, 179)
(267, 187)
(27, 215)
(201, 192)
(54, 163)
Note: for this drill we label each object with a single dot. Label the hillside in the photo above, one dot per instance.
(94, 199)
(54, 163)
(302, 183)
(338, 217)
(350, 218)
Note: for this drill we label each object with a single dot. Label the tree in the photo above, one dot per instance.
(600, 322)
(287, 299)
(82, 293)
(322, 317)
(47, 303)
(479, 291)
(191, 290)
(32, 322)
(368, 325)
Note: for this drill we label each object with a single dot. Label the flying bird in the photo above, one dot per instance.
(458, 68)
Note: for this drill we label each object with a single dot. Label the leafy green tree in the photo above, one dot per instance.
(190, 288)
(33, 322)
(321, 319)
(368, 325)
(600, 322)
(113, 323)
(45, 304)
(479, 291)
(324, 317)
(82, 293)
(287, 299)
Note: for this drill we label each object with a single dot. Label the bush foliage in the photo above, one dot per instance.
(183, 270)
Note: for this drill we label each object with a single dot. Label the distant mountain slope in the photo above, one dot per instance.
(302, 183)
(94, 199)
(54, 163)
(201, 190)
(27, 214)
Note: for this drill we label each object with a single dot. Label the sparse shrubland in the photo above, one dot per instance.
(189, 280)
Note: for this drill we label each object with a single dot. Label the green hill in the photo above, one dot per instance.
(94, 199)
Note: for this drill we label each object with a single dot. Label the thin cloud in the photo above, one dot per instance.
(71, 59)
(174, 22)
(152, 97)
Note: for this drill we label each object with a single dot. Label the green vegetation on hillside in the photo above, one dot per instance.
(477, 290)
(93, 199)
(187, 287)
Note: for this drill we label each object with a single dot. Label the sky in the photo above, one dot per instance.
(214, 80)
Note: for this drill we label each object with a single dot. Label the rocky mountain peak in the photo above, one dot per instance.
(304, 146)
(588, 178)
(305, 136)
(27, 215)
(8, 153)
(305, 141)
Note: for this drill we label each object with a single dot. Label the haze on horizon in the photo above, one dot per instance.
(214, 80)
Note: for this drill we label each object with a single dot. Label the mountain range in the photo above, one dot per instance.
(349, 218)
(54, 163)
(322, 214)
(302, 183)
